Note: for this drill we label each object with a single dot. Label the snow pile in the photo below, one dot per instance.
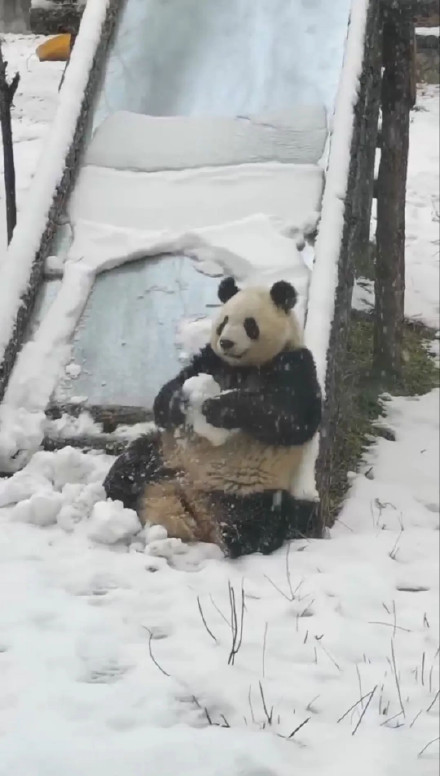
(196, 390)
(111, 523)
(132, 141)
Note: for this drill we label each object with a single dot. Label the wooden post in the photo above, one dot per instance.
(7, 92)
(391, 192)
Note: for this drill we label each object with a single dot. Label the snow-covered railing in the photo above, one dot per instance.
(343, 230)
(22, 267)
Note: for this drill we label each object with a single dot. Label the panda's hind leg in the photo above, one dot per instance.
(140, 464)
(183, 510)
(161, 505)
(250, 523)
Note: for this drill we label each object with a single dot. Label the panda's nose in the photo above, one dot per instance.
(226, 344)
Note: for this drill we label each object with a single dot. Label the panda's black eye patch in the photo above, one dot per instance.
(251, 328)
(222, 326)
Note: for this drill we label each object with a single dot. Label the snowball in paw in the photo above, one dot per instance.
(197, 389)
(111, 523)
(41, 509)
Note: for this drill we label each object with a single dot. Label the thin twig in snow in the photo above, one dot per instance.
(432, 704)
(294, 732)
(393, 656)
(204, 620)
(395, 550)
(269, 716)
(236, 627)
(353, 707)
(423, 669)
(162, 670)
(394, 618)
(217, 608)
(360, 683)
(309, 705)
(264, 651)
(428, 744)
(364, 711)
(329, 656)
(390, 625)
(250, 704)
(390, 718)
(416, 717)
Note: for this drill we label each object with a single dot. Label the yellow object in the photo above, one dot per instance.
(56, 49)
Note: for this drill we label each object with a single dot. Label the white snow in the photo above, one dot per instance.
(196, 390)
(132, 141)
(190, 199)
(423, 212)
(34, 107)
(426, 31)
(16, 265)
(111, 523)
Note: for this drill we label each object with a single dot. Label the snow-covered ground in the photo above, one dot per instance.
(34, 108)
(117, 648)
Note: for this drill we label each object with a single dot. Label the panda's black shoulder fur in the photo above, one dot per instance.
(278, 403)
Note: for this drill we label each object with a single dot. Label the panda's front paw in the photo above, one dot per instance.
(218, 414)
(177, 409)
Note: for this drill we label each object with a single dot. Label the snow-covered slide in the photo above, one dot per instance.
(212, 137)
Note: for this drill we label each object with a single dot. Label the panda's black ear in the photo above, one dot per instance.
(227, 289)
(284, 295)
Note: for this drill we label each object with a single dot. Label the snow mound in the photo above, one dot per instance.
(111, 523)
(133, 141)
(197, 389)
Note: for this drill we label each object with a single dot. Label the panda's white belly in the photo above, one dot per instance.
(241, 465)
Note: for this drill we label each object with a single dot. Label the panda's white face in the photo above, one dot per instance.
(251, 329)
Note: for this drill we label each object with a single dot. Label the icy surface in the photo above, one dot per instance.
(230, 58)
(196, 390)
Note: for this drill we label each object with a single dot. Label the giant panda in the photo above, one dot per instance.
(236, 493)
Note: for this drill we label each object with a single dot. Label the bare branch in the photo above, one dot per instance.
(162, 670)
(204, 620)
(393, 656)
(364, 711)
(294, 732)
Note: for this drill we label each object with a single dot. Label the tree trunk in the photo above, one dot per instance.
(7, 92)
(391, 194)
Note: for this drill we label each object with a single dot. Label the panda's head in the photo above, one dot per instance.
(255, 324)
